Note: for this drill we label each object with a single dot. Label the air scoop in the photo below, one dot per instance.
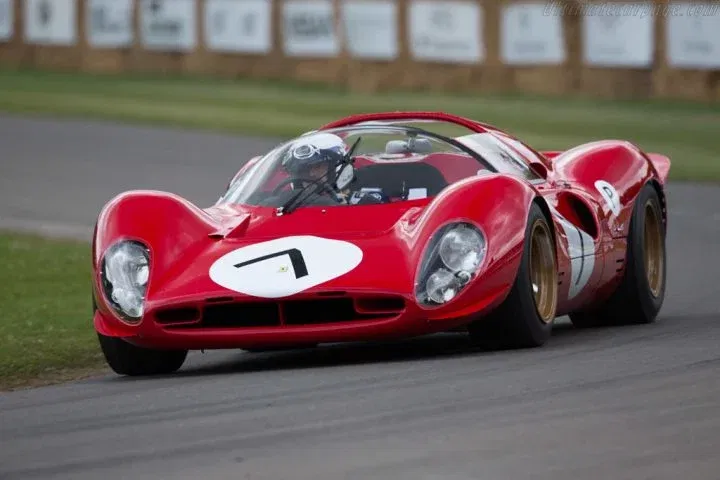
(235, 228)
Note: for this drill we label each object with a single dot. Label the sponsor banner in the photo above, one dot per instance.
(619, 40)
(238, 26)
(371, 28)
(50, 22)
(109, 23)
(531, 37)
(168, 25)
(309, 29)
(693, 39)
(447, 31)
(7, 20)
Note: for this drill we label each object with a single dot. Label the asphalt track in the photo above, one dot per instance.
(623, 403)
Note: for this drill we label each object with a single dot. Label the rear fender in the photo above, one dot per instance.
(612, 172)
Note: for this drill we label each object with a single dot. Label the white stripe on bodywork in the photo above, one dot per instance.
(581, 249)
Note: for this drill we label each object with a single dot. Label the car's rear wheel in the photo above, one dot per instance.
(525, 318)
(641, 292)
(127, 359)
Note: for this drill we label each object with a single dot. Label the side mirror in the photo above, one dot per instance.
(539, 168)
(345, 176)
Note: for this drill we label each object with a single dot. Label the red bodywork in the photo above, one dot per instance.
(186, 309)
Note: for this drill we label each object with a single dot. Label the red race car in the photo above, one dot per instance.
(383, 226)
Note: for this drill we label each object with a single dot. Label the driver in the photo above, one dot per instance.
(316, 158)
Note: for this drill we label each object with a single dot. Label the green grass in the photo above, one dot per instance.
(46, 329)
(688, 132)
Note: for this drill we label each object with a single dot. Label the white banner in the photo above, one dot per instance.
(371, 28)
(51, 22)
(7, 19)
(109, 23)
(238, 25)
(447, 31)
(529, 36)
(309, 29)
(168, 25)
(619, 40)
(693, 39)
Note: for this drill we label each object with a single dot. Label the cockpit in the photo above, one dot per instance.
(368, 163)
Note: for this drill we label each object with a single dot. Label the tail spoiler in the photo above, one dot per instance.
(661, 164)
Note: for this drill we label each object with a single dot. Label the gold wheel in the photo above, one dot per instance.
(543, 271)
(653, 249)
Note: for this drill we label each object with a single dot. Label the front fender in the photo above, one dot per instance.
(167, 224)
(499, 205)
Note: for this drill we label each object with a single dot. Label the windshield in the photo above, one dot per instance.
(359, 164)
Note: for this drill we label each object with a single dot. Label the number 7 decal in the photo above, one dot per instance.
(263, 269)
(296, 259)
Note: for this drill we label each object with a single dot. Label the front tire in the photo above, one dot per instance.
(525, 318)
(641, 293)
(127, 359)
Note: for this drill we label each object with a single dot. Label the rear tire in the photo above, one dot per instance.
(641, 293)
(525, 318)
(127, 359)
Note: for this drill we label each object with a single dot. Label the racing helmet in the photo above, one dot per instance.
(319, 152)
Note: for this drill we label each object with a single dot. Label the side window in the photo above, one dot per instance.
(502, 156)
(514, 160)
(522, 148)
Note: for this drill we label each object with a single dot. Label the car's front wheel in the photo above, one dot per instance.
(525, 318)
(127, 359)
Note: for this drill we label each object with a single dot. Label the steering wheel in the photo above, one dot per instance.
(305, 181)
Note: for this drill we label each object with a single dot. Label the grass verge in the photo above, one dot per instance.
(686, 131)
(46, 329)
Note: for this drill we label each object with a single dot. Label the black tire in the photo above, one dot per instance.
(634, 302)
(518, 322)
(127, 359)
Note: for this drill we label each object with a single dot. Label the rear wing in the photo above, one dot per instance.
(661, 163)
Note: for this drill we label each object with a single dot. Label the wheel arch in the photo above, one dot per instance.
(660, 190)
(545, 208)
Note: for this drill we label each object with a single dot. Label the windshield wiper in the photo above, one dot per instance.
(295, 201)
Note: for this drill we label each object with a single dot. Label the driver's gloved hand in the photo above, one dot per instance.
(368, 197)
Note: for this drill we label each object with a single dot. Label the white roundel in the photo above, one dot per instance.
(611, 196)
(284, 266)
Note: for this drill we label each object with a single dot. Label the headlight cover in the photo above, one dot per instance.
(452, 258)
(125, 273)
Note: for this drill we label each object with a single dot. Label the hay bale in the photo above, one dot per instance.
(697, 85)
(616, 84)
(104, 61)
(543, 80)
(372, 77)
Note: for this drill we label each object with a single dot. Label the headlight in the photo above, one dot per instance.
(452, 258)
(125, 273)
